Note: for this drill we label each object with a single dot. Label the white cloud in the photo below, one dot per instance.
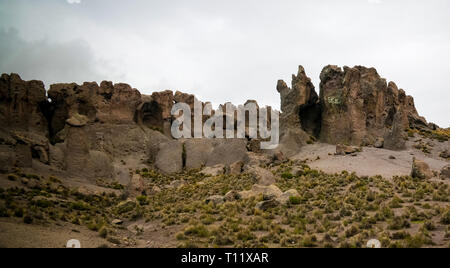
(74, 1)
(221, 52)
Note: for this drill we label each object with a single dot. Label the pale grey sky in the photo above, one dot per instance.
(230, 50)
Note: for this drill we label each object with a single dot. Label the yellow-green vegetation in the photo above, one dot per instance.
(112, 185)
(50, 202)
(424, 147)
(332, 210)
(441, 135)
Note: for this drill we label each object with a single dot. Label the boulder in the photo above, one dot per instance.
(232, 196)
(263, 176)
(215, 200)
(213, 152)
(77, 120)
(445, 154)
(214, 171)
(117, 222)
(169, 158)
(421, 170)
(198, 152)
(227, 152)
(267, 192)
(445, 173)
(136, 186)
(268, 204)
(395, 138)
(292, 140)
(236, 168)
(379, 143)
(284, 199)
(345, 150)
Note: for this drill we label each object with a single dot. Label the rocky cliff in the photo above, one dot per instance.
(87, 129)
(355, 106)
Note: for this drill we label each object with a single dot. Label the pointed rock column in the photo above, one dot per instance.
(77, 145)
(302, 99)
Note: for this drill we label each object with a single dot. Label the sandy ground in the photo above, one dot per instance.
(370, 162)
(15, 234)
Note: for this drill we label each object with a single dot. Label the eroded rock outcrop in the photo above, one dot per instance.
(108, 103)
(155, 111)
(445, 173)
(22, 104)
(91, 127)
(300, 115)
(78, 158)
(421, 170)
(299, 103)
(358, 106)
(169, 158)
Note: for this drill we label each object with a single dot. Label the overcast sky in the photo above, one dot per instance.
(230, 50)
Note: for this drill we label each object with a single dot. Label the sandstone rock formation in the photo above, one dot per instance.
(155, 111)
(23, 104)
(214, 171)
(263, 176)
(421, 170)
(169, 158)
(358, 106)
(445, 173)
(300, 112)
(92, 127)
(78, 157)
(344, 149)
(107, 103)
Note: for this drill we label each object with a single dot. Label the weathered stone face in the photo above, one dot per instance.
(421, 170)
(198, 152)
(89, 126)
(77, 150)
(22, 104)
(300, 115)
(155, 111)
(165, 100)
(297, 100)
(169, 158)
(445, 173)
(113, 104)
(358, 106)
(227, 152)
